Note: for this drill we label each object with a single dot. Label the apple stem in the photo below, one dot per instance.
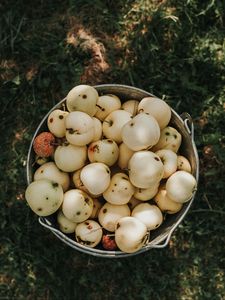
(109, 122)
(93, 230)
(37, 158)
(147, 237)
(102, 109)
(34, 162)
(126, 170)
(59, 143)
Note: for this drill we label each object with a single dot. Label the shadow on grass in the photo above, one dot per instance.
(39, 266)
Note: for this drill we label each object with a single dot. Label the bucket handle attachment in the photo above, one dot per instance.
(188, 123)
(164, 241)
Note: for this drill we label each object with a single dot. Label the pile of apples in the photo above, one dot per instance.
(100, 164)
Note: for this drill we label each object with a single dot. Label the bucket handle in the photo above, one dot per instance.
(163, 243)
(47, 224)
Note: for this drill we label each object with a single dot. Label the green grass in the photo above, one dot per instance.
(174, 49)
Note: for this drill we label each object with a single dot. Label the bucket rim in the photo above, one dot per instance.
(162, 242)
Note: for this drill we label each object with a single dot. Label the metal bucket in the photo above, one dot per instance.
(160, 237)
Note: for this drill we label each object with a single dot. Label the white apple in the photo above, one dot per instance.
(133, 202)
(169, 160)
(124, 156)
(131, 106)
(77, 181)
(165, 204)
(180, 186)
(77, 205)
(157, 108)
(146, 194)
(56, 122)
(109, 214)
(44, 196)
(170, 138)
(82, 98)
(107, 104)
(79, 184)
(88, 233)
(41, 160)
(149, 214)
(97, 129)
(95, 177)
(105, 151)
(131, 234)
(97, 205)
(183, 164)
(140, 133)
(120, 190)
(65, 225)
(50, 171)
(145, 169)
(70, 158)
(113, 124)
(80, 129)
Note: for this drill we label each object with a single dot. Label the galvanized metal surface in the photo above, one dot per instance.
(160, 237)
